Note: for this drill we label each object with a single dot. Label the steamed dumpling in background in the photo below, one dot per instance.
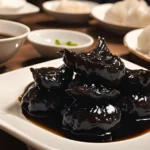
(11, 5)
(72, 7)
(143, 41)
(129, 13)
(117, 13)
(146, 19)
(136, 14)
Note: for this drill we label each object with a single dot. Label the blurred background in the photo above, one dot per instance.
(39, 2)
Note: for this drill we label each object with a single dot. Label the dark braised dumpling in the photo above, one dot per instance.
(52, 78)
(86, 117)
(92, 97)
(39, 103)
(98, 65)
(78, 81)
(137, 80)
(137, 104)
(93, 93)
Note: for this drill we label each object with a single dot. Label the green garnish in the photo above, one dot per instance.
(69, 43)
(57, 42)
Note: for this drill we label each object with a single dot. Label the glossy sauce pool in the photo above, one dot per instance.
(53, 123)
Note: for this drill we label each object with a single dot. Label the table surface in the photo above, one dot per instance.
(28, 56)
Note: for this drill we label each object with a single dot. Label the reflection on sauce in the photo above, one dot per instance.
(53, 123)
(5, 36)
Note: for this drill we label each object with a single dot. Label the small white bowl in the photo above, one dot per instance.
(44, 41)
(10, 46)
(131, 42)
(77, 18)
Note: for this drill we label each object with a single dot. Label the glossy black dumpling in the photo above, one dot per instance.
(52, 78)
(137, 104)
(98, 65)
(136, 80)
(39, 103)
(78, 81)
(86, 117)
(92, 93)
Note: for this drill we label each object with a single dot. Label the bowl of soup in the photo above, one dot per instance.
(12, 37)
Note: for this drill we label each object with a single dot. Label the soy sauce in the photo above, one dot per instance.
(5, 36)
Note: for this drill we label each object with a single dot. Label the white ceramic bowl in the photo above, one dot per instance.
(131, 42)
(44, 41)
(10, 46)
(77, 18)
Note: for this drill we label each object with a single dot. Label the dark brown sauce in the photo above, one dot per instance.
(26, 88)
(52, 125)
(5, 36)
(127, 130)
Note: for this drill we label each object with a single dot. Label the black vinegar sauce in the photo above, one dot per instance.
(128, 130)
(5, 36)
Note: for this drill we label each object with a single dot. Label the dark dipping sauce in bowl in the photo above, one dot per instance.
(5, 36)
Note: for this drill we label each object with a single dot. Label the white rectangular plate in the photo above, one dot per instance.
(12, 121)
